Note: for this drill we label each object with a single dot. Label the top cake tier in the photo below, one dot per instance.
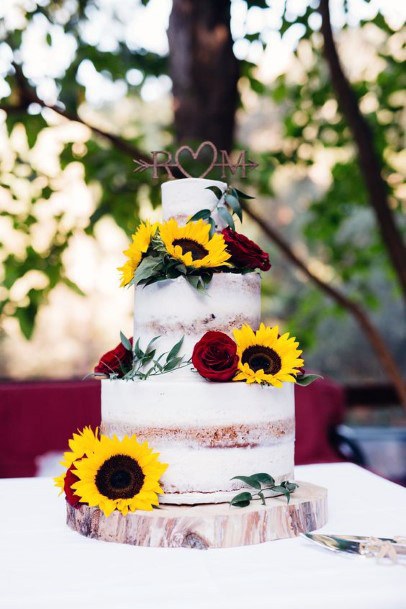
(181, 199)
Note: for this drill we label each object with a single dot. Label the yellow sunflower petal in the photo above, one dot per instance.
(141, 240)
(142, 237)
(127, 460)
(191, 244)
(80, 444)
(59, 481)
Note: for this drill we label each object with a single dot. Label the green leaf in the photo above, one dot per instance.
(281, 490)
(241, 195)
(241, 504)
(175, 350)
(46, 192)
(212, 227)
(307, 379)
(241, 500)
(151, 342)
(195, 281)
(147, 268)
(216, 190)
(35, 124)
(261, 496)
(206, 275)
(226, 216)
(158, 365)
(234, 203)
(125, 342)
(263, 478)
(172, 271)
(148, 357)
(249, 480)
(26, 319)
(139, 353)
(155, 279)
(181, 268)
(203, 214)
(173, 363)
(291, 486)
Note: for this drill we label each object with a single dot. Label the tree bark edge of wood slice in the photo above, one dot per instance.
(207, 526)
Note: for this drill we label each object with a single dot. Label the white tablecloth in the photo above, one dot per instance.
(45, 565)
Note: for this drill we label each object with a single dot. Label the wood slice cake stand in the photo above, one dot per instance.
(207, 526)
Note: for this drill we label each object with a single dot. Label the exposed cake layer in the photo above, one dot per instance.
(173, 308)
(181, 199)
(206, 432)
(226, 436)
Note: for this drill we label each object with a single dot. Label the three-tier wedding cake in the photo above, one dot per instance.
(208, 432)
(199, 404)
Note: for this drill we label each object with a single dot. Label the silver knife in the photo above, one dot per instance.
(355, 544)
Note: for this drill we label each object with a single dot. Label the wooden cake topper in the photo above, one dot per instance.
(207, 151)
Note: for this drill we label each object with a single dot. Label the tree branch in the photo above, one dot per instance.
(369, 160)
(28, 96)
(372, 334)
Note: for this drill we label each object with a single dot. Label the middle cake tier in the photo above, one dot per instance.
(173, 309)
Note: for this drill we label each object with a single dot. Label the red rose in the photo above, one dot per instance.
(70, 479)
(118, 360)
(244, 252)
(215, 357)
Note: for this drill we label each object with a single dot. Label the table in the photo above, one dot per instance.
(45, 565)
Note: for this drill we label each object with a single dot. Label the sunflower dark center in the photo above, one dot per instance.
(188, 245)
(262, 358)
(120, 477)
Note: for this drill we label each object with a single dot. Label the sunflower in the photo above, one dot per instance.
(266, 357)
(141, 241)
(192, 245)
(130, 266)
(119, 475)
(81, 444)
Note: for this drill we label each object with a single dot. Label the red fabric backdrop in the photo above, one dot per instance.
(39, 417)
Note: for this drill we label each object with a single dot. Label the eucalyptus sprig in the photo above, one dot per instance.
(266, 487)
(304, 380)
(146, 363)
(228, 204)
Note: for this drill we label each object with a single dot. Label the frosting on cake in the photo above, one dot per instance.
(173, 308)
(207, 432)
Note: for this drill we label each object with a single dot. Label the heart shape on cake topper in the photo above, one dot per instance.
(208, 157)
(208, 145)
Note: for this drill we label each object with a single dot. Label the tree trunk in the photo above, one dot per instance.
(369, 160)
(204, 71)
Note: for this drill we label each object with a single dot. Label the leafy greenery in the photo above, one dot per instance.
(158, 265)
(266, 487)
(147, 363)
(228, 204)
(339, 227)
(304, 380)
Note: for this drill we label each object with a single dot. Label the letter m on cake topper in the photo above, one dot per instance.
(206, 157)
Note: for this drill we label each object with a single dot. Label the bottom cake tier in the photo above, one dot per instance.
(206, 432)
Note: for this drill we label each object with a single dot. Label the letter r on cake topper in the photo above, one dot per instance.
(207, 151)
